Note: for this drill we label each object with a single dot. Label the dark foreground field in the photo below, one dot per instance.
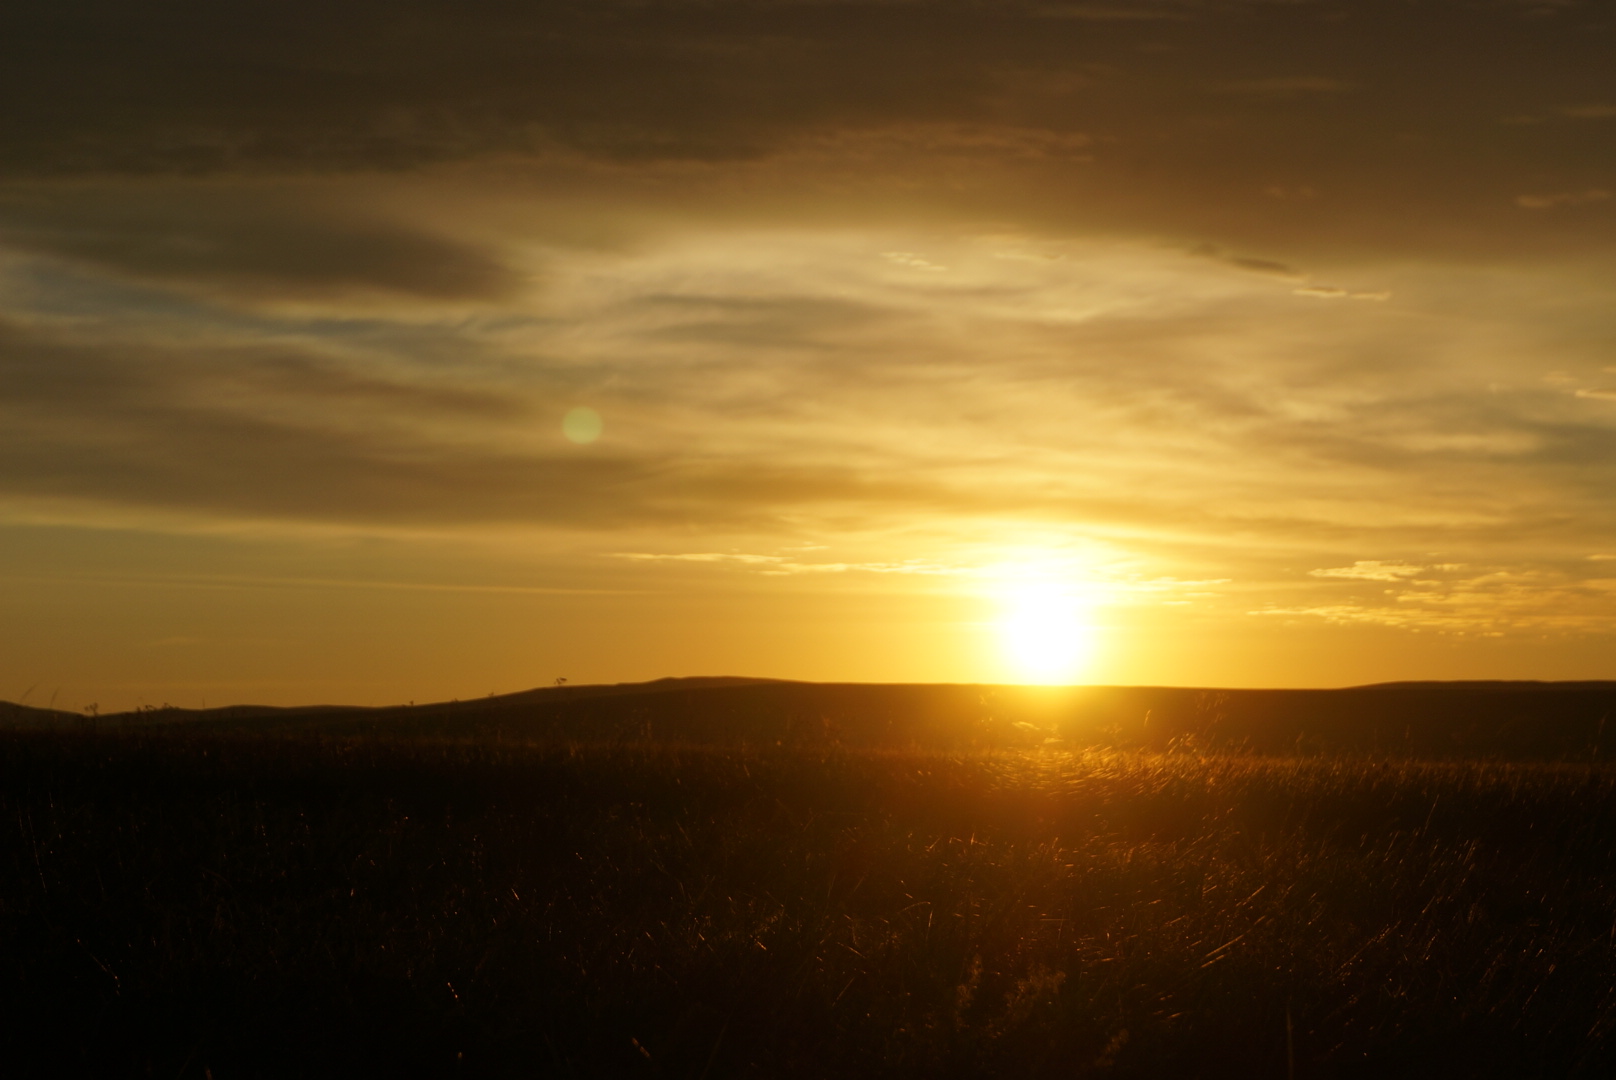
(195, 902)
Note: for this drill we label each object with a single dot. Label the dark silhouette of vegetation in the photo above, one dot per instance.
(201, 900)
(1504, 721)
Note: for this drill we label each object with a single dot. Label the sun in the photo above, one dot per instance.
(1046, 630)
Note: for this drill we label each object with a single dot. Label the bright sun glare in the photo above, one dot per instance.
(1045, 630)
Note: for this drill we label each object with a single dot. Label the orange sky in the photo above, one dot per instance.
(367, 353)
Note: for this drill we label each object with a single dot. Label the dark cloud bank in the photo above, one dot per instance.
(251, 244)
(1313, 111)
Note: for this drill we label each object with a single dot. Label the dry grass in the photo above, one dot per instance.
(180, 903)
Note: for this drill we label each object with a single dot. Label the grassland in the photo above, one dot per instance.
(199, 902)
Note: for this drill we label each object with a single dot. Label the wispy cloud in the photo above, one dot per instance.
(778, 565)
(1562, 198)
(1252, 263)
(1371, 570)
(212, 240)
(755, 378)
(1490, 603)
(1261, 266)
(911, 260)
(1330, 292)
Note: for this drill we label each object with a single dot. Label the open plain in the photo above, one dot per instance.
(1035, 890)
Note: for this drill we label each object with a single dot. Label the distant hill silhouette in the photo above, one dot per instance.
(13, 715)
(1517, 720)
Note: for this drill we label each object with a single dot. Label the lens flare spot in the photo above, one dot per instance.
(582, 425)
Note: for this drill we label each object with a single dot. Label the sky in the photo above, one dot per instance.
(361, 352)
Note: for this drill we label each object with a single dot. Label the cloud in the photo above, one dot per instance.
(308, 379)
(952, 141)
(1330, 292)
(1500, 600)
(301, 432)
(301, 88)
(781, 565)
(911, 260)
(993, 113)
(255, 247)
(1564, 198)
(1246, 262)
(266, 434)
(704, 557)
(751, 322)
(1600, 394)
(1261, 266)
(1370, 570)
(774, 383)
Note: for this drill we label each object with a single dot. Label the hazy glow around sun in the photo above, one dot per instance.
(1046, 630)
